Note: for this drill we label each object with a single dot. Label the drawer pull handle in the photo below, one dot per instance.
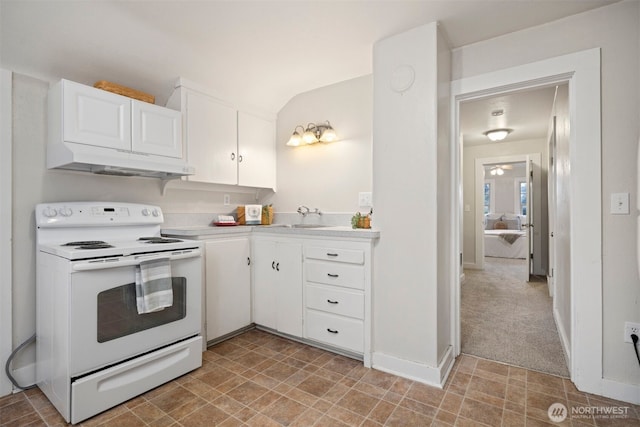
(331, 254)
(332, 302)
(273, 265)
(278, 267)
(332, 275)
(332, 331)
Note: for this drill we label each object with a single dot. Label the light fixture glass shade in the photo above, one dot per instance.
(309, 136)
(328, 135)
(499, 171)
(497, 134)
(295, 140)
(496, 171)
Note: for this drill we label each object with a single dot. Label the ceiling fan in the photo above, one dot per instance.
(499, 169)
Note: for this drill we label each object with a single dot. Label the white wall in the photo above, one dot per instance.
(405, 191)
(327, 176)
(620, 49)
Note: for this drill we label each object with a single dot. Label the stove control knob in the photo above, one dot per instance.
(49, 212)
(155, 212)
(66, 211)
(146, 212)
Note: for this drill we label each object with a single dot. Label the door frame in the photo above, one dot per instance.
(5, 226)
(582, 72)
(479, 198)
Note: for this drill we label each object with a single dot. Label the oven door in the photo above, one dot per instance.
(105, 327)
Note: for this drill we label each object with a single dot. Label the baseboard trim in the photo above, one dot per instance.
(621, 391)
(471, 266)
(430, 375)
(564, 339)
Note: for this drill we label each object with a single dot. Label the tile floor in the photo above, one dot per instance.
(258, 379)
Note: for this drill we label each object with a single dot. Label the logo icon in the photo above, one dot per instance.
(557, 412)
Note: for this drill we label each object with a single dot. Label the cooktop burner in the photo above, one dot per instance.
(159, 240)
(89, 244)
(85, 243)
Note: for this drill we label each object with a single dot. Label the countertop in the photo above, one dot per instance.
(195, 231)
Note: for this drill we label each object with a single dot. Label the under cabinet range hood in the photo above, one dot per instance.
(96, 131)
(109, 161)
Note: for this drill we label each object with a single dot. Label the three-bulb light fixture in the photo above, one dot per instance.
(312, 133)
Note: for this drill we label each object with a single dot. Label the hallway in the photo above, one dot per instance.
(508, 320)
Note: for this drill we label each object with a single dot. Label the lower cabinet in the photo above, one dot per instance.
(228, 285)
(337, 289)
(277, 284)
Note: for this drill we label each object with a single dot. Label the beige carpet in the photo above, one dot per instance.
(508, 320)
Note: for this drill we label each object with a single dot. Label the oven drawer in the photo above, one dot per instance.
(105, 389)
(337, 274)
(335, 330)
(335, 300)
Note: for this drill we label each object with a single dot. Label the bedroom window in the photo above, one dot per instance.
(488, 196)
(522, 197)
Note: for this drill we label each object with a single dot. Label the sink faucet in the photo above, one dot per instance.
(304, 211)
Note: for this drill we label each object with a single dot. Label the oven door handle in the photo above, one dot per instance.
(100, 264)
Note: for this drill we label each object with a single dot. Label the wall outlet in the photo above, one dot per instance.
(227, 200)
(631, 328)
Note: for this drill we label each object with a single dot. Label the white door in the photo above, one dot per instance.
(289, 288)
(212, 139)
(256, 144)
(96, 117)
(551, 191)
(228, 286)
(156, 130)
(530, 219)
(264, 294)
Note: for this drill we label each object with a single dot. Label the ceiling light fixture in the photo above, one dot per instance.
(498, 134)
(497, 170)
(312, 133)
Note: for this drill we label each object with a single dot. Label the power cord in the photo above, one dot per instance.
(634, 338)
(20, 347)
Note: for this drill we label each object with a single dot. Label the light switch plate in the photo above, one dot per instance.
(365, 199)
(620, 203)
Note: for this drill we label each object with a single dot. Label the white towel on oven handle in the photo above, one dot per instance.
(154, 290)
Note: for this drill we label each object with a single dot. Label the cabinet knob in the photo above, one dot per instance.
(240, 158)
(277, 266)
(233, 156)
(273, 265)
(248, 261)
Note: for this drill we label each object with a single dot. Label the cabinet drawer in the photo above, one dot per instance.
(335, 300)
(350, 256)
(333, 273)
(335, 330)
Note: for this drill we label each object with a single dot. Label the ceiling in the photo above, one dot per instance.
(526, 113)
(259, 53)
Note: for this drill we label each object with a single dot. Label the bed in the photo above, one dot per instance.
(504, 237)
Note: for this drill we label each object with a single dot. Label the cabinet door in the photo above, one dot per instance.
(228, 286)
(96, 117)
(289, 288)
(264, 295)
(212, 139)
(256, 143)
(156, 130)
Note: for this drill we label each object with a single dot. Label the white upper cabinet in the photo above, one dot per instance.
(256, 145)
(104, 119)
(96, 117)
(212, 139)
(226, 146)
(155, 130)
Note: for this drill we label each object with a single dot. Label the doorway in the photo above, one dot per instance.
(582, 312)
